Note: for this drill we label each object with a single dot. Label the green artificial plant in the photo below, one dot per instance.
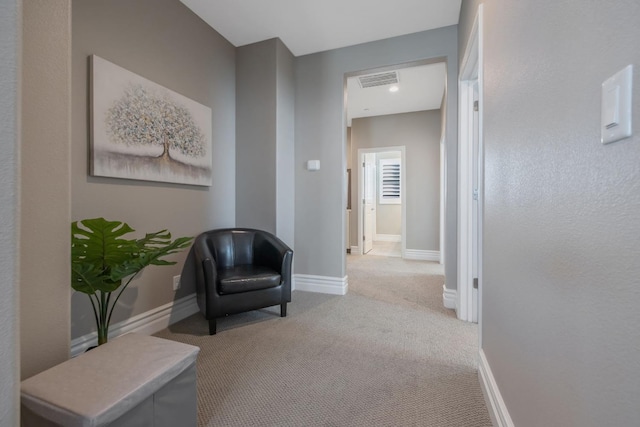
(101, 259)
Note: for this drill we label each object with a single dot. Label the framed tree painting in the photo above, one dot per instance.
(141, 130)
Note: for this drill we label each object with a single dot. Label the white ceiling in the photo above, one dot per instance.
(309, 26)
(419, 88)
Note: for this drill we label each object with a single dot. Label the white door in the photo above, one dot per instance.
(369, 201)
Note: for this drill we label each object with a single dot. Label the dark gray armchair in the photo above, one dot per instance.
(241, 269)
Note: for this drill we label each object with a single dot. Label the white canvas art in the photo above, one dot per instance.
(141, 130)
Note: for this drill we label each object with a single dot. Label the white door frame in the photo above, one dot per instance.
(403, 185)
(471, 72)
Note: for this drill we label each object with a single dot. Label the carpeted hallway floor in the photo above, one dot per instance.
(386, 354)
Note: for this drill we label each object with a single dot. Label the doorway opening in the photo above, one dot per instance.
(380, 130)
(382, 201)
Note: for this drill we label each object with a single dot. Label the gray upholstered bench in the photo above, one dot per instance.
(131, 380)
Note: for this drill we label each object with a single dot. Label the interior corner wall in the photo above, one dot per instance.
(320, 134)
(45, 193)
(256, 130)
(163, 41)
(560, 292)
(10, 68)
(285, 144)
(264, 138)
(467, 17)
(420, 133)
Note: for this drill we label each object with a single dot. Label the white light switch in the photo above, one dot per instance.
(313, 165)
(616, 106)
(611, 108)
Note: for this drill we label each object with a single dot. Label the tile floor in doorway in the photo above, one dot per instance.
(391, 249)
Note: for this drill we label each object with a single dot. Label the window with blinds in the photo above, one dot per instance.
(390, 184)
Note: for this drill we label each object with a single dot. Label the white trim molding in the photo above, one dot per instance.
(355, 250)
(146, 323)
(321, 284)
(387, 238)
(492, 397)
(421, 255)
(449, 297)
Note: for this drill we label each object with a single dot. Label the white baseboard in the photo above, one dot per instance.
(321, 284)
(387, 238)
(146, 323)
(355, 250)
(492, 397)
(449, 297)
(421, 255)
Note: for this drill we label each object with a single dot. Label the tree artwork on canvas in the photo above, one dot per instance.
(141, 130)
(142, 118)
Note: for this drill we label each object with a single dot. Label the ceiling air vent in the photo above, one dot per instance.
(380, 79)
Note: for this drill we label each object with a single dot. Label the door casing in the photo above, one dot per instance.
(470, 89)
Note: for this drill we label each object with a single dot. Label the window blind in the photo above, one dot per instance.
(390, 183)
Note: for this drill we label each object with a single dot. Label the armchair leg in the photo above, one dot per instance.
(212, 326)
(283, 309)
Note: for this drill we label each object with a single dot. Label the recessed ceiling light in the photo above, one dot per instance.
(394, 88)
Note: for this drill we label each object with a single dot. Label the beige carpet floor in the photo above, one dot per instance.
(386, 354)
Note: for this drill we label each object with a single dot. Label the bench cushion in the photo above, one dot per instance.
(98, 387)
(246, 278)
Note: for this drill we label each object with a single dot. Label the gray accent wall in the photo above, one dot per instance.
(560, 294)
(321, 133)
(420, 133)
(45, 193)
(10, 34)
(256, 112)
(285, 144)
(264, 138)
(468, 13)
(163, 41)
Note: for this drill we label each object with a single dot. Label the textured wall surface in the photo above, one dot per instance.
(560, 298)
(164, 42)
(9, 279)
(45, 198)
(419, 132)
(320, 134)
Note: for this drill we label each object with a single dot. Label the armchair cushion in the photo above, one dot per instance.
(245, 278)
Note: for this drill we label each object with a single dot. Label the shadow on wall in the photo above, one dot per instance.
(83, 321)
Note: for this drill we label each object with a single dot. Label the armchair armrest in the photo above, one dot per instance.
(206, 270)
(271, 252)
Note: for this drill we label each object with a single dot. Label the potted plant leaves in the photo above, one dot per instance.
(102, 260)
